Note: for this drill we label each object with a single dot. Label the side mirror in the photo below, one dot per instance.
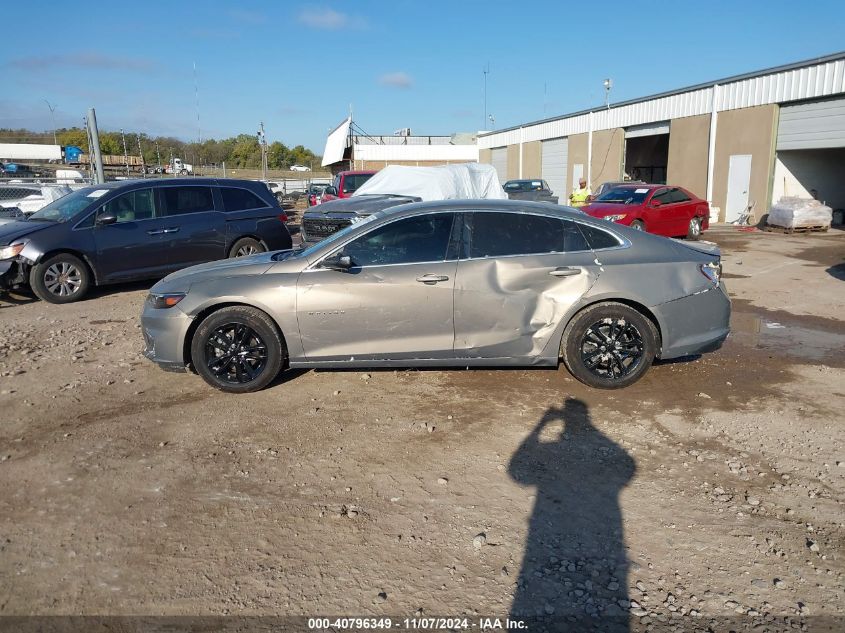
(332, 191)
(655, 203)
(339, 262)
(106, 219)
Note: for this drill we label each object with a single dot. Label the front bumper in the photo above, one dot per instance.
(165, 330)
(11, 274)
(695, 324)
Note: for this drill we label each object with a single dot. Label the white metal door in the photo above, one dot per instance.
(739, 182)
(500, 162)
(554, 166)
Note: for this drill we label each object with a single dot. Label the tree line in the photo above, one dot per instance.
(238, 152)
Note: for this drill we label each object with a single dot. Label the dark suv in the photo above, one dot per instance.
(139, 229)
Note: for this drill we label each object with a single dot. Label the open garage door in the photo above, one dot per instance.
(810, 156)
(647, 152)
(554, 166)
(500, 162)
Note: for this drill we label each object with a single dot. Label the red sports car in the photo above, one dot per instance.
(660, 209)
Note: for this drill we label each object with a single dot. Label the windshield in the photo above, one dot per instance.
(65, 207)
(623, 195)
(334, 237)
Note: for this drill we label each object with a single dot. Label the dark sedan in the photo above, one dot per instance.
(140, 229)
(535, 190)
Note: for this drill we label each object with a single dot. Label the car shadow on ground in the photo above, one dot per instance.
(574, 574)
(837, 271)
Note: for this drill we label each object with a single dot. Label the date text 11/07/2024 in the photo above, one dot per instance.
(416, 624)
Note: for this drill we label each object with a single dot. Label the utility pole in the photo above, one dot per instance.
(141, 152)
(158, 157)
(53, 117)
(486, 72)
(262, 142)
(125, 152)
(94, 151)
(608, 84)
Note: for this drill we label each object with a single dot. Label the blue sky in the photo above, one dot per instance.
(299, 65)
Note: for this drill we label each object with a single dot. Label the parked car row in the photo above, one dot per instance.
(140, 229)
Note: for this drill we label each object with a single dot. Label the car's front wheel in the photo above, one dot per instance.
(62, 278)
(609, 345)
(238, 349)
(638, 225)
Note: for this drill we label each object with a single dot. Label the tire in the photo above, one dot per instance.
(238, 350)
(638, 225)
(183, 172)
(62, 278)
(246, 246)
(581, 345)
(694, 229)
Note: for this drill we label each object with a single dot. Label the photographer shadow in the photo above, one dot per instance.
(574, 574)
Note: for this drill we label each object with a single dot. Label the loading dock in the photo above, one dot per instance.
(647, 152)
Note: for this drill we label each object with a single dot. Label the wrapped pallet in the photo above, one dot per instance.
(795, 213)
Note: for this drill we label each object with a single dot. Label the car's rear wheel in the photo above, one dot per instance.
(638, 225)
(238, 349)
(609, 345)
(62, 278)
(246, 246)
(694, 230)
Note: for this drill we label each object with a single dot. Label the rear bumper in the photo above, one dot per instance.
(696, 324)
(164, 333)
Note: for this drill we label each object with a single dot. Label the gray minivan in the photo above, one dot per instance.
(141, 229)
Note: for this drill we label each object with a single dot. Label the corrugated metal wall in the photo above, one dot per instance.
(813, 125)
(809, 82)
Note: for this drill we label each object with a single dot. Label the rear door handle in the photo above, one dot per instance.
(565, 271)
(431, 279)
(156, 232)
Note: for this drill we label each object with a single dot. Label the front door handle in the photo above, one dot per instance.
(156, 232)
(432, 279)
(565, 271)
(173, 230)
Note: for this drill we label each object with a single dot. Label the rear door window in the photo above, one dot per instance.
(236, 199)
(501, 234)
(181, 200)
(351, 182)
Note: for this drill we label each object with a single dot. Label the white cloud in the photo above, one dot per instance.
(328, 19)
(396, 80)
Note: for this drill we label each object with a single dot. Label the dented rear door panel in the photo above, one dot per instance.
(510, 307)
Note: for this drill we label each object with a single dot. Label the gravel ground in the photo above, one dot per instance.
(711, 489)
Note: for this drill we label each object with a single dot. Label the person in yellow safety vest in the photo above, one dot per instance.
(578, 198)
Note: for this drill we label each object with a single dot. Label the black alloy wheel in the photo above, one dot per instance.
(238, 349)
(609, 345)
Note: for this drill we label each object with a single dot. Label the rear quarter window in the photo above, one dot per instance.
(599, 238)
(236, 199)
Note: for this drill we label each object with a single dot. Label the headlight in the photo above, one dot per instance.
(165, 300)
(13, 250)
(713, 271)
(615, 218)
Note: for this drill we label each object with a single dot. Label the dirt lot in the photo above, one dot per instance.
(712, 489)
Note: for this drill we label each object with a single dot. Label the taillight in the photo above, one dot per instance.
(283, 217)
(712, 270)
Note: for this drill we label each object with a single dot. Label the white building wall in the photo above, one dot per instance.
(809, 82)
(416, 152)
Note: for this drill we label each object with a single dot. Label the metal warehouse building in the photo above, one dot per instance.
(740, 141)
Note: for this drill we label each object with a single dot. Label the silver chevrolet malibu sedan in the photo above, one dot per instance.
(465, 283)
